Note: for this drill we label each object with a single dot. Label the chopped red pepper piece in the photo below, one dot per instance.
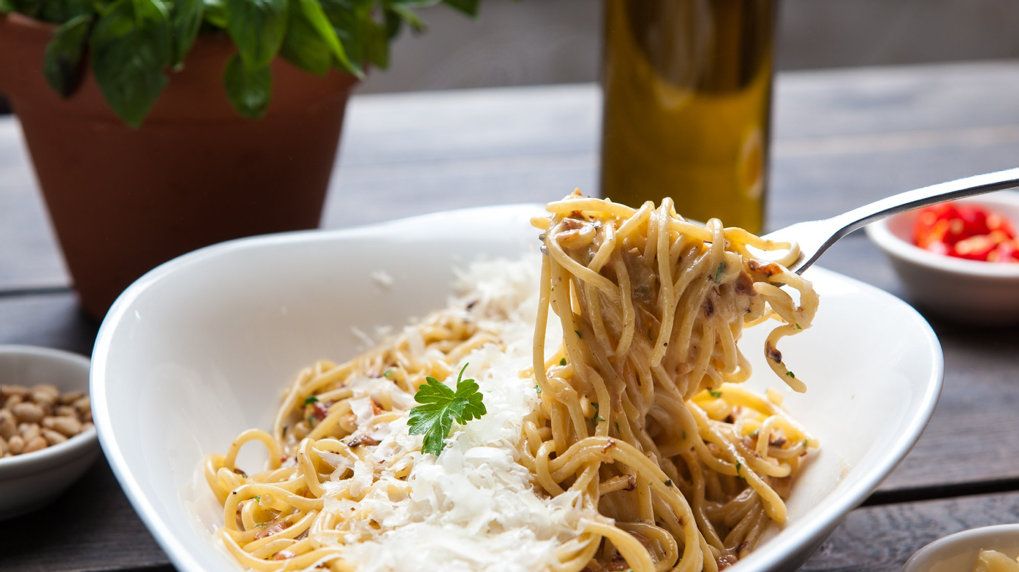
(966, 231)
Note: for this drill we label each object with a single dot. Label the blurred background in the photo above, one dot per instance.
(559, 41)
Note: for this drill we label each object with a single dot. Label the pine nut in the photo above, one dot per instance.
(35, 444)
(69, 426)
(9, 390)
(7, 425)
(28, 431)
(28, 412)
(52, 437)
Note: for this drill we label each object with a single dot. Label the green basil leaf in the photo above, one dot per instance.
(303, 46)
(62, 61)
(258, 28)
(409, 17)
(215, 13)
(376, 43)
(393, 23)
(249, 89)
(185, 19)
(130, 48)
(469, 7)
(316, 17)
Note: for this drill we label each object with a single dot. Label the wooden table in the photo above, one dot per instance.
(842, 138)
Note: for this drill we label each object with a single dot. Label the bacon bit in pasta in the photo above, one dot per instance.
(772, 353)
(725, 561)
(744, 283)
(275, 528)
(362, 439)
(777, 442)
(319, 410)
(709, 308)
(284, 555)
(572, 223)
(768, 270)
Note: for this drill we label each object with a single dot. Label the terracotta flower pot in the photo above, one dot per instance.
(123, 200)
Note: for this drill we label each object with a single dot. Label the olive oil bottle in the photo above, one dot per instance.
(687, 86)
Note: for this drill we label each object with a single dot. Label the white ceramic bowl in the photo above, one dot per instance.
(964, 290)
(958, 552)
(200, 349)
(32, 480)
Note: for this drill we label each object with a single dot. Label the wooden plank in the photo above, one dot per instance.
(28, 253)
(882, 538)
(51, 320)
(90, 527)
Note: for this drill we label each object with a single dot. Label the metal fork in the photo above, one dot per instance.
(815, 236)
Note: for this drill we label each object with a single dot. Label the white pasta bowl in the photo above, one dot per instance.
(959, 551)
(32, 480)
(201, 347)
(964, 290)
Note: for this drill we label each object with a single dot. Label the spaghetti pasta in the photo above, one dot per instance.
(637, 447)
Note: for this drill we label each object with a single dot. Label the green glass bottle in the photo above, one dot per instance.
(687, 87)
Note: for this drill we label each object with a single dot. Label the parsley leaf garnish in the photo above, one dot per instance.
(717, 278)
(562, 361)
(440, 406)
(714, 393)
(310, 399)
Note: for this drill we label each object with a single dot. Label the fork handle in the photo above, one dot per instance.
(967, 186)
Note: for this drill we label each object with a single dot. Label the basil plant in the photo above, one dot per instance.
(132, 45)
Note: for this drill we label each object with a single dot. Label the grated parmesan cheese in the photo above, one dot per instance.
(473, 507)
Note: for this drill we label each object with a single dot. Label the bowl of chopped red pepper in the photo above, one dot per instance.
(959, 259)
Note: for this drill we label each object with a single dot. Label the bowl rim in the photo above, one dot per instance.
(784, 545)
(80, 444)
(881, 233)
(935, 546)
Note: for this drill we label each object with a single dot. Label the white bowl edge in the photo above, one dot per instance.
(964, 544)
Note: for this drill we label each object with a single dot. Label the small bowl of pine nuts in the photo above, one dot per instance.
(47, 439)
